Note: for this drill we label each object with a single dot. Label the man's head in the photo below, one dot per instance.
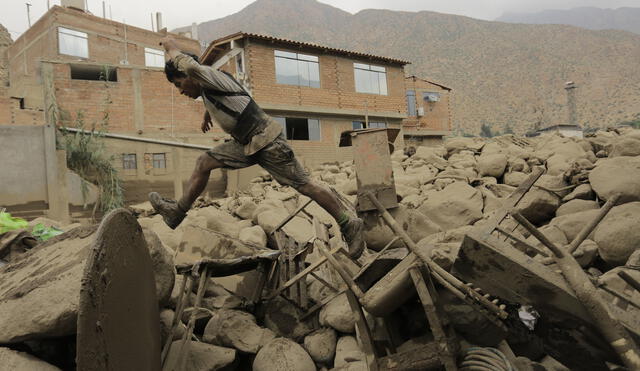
(184, 83)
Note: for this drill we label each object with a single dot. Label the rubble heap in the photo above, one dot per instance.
(445, 193)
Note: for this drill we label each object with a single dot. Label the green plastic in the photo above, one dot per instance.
(9, 223)
(43, 233)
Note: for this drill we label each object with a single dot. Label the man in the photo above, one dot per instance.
(257, 139)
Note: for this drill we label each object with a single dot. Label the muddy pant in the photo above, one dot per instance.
(276, 158)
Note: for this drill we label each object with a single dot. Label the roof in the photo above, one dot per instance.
(430, 82)
(211, 49)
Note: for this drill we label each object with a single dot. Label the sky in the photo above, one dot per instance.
(184, 12)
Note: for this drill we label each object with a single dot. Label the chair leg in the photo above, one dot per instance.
(363, 332)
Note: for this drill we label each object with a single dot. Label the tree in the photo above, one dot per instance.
(485, 131)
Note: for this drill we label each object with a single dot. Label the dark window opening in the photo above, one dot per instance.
(21, 103)
(300, 128)
(94, 73)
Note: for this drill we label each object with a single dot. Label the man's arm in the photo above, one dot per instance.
(207, 76)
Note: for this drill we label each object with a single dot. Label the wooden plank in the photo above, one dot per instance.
(363, 332)
(427, 296)
(302, 289)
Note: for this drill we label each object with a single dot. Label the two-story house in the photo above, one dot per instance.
(315, 91)
(428, 112)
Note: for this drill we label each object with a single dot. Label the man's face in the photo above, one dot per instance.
(187, 87)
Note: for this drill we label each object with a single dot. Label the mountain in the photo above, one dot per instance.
(502, 73)
(624, 19)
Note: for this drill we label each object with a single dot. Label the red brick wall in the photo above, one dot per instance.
(337, 84)
(164, 110)
(437, 115)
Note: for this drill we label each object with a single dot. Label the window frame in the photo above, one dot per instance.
(71, 33)
(156, 53)
(299, 58)
(126, 158)
(412, 99)
(364, 125)
(154, 160)
(282, 120)
(380, 74)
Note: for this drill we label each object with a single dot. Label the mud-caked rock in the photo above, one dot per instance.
(14, 360)
(282, 354)
(162, 260)
(457, 205)
(492, 165)
(236, 329)
(347, 351)
(321, 345)
(576, 206)
(617, 175)
(618, 234)
(201, 357)
(254, 236)
(338, 315)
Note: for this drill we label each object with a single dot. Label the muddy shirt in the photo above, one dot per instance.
(212, 79)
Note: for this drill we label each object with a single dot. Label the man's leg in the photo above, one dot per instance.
(351, 228)
(278, 159)
(174, 212)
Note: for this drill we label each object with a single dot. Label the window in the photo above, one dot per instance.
(71, 42)
(430, 96)
(370, 79)
(300, 128)
(411, 103)
(297, 69)
(159, 161)
(372, 125)
(153, 57)
(129, 161)
(93, 72)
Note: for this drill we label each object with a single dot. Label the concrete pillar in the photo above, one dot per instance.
(56, 168)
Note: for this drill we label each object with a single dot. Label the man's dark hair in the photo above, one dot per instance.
(172, 72)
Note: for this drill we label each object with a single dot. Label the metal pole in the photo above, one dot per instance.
(28, 14)
(136, 139)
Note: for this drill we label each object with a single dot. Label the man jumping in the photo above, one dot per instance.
(257, 139)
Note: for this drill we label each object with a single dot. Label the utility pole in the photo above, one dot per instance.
(28, 14)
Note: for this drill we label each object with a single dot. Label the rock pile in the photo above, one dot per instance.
(444, 192)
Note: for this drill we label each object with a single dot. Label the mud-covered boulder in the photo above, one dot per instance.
(282, 354)
(321, 345)
(201, 357)
(284, 319)
(338, 315)
(254, 236)
(236, 329)
(13, 360)
(538, 205)
(162, 259)
(492, 165)
(377, 233)
(626, 147)
(576, 206)
(618, 234)
(457, 205)
(617, 175)
(572, 224)
(581, 192)
(347, 351)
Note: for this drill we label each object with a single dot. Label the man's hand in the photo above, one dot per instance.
(206, 122)
(170, 46)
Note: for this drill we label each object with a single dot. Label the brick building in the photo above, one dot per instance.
(315, 91)
(429, 112)
(72, 66)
